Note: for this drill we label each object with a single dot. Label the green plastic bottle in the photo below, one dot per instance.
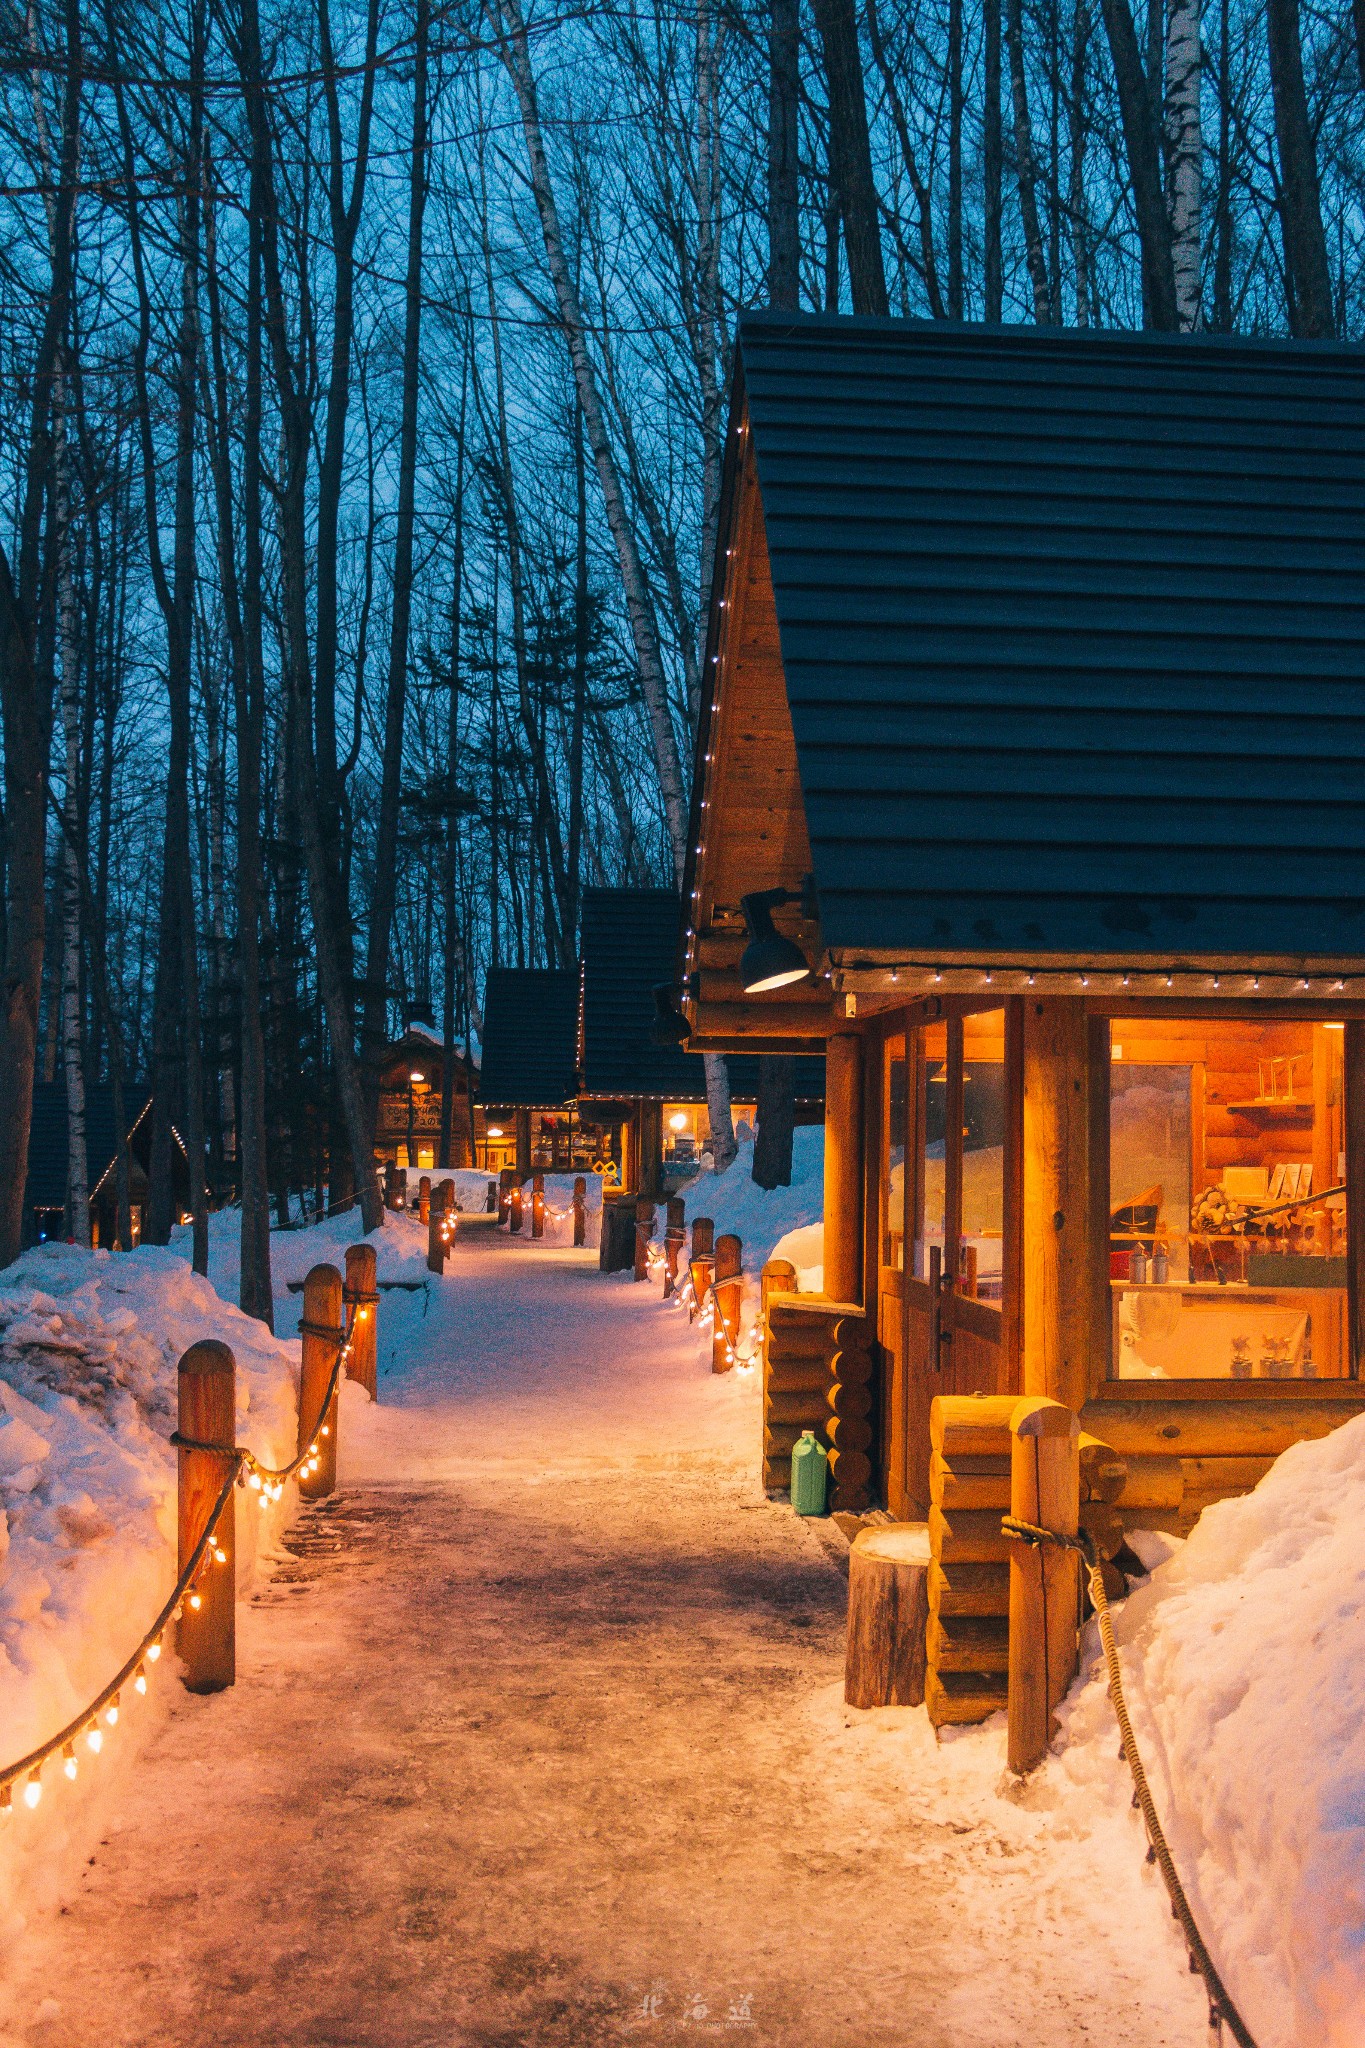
(810, 1474)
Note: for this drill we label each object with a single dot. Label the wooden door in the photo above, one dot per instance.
(949, 1264)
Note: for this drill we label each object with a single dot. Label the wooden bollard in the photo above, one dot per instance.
(644, 1234)
(448, 1214)
(580, 1210)
(400, 1189)
(491, 1202)
(675, 1237)
(514, 1204)
(1045, 1490)
(701, 1264)
(323, 1335)
(538, 1205)
(507, 1180)
(206, 1636)
(436, 1244)
(424, 1198)
(361, 1297)
(729, 1292)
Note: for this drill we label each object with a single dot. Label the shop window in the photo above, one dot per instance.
(895, 1094)
(1227, 1248)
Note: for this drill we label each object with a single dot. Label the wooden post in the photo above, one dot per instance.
(206, 1636)
(1045, 1489)
(424, 1198)
(514, 1201)
(362, 1296)
(702, 1264)
(644, 1232)
(651, 1165)
(436, 1243)
(844, 1167)
(523, 1128)
(400, 1188)
(390, 1184)
(675, 1237)
(449, 1216)
(538, 1205)
(729, 1292)
(507, 1180)
(888, 1615)
(580, 1210)
(323, 1334)
(1065, 1199)
(491, 1204)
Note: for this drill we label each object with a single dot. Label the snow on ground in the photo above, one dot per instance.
(89, 1344)
(539, 1742)
(1246, 1683)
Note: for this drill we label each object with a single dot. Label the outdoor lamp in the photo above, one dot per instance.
(669, 1027)
(769, 960)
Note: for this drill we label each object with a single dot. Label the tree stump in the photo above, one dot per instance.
(888, 1612)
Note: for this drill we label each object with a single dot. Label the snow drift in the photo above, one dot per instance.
(1245, 1673)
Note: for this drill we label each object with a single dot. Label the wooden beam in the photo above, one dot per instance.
(844, 1166)
(1065, 1199)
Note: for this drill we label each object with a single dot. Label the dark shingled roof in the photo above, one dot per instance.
(46, 1184)
(1073, 627)
(630, 945)
(530, 1036)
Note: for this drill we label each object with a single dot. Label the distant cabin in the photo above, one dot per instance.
(411, 1097)
(46, 1216)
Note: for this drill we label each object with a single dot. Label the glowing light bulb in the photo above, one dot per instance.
(69, 1760)
(153, 1652)
(95, 1739)
(196, 1602)
(139, 1680)
(327, 1429)
(255, 1480)
(219, 1554)
(111, 1712)
(33, 1791)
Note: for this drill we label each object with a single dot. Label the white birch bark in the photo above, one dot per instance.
(1184, 155)
(514, 52)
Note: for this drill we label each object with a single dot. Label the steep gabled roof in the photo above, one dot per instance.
(530, 1035)
(47, 1147)
(1073, 634)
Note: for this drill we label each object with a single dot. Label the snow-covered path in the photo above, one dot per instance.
(538, 1738)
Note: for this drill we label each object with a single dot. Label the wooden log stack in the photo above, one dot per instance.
(817, 1373)
(967, 1660)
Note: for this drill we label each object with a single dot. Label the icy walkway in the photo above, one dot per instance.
(538, 1742)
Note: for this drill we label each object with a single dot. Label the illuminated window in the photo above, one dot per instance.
(1227, 1247)
(896, 1097)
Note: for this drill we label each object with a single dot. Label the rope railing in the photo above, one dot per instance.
(244, 1468)
(1221, 2006)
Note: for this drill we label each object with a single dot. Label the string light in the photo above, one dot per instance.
(69, 1759)
(33, 1791)
(94, 1738)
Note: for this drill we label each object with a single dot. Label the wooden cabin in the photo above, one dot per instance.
(45, 1192)
(529, 1073)
(644, 1102)
(411, 1092)
(1035, 689)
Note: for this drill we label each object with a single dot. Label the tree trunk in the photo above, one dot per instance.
(451, 847)
(390, 792)
(1026, 169)
(72, 1017)
(514, 51)
(1144, 166)
(1078, 127)
(850, 154)
(993, 157)
(1184, 155)
(954, 159)
(1305, 246)
(784, 100)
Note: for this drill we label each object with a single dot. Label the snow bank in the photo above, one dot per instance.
(89, 1344)
(1244, 1665)
(761, 1217)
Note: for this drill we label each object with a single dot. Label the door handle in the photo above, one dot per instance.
(940, 1286)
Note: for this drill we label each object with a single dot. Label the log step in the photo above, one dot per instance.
(956, 1698)
(953, 1491)
(971, 1425)
(961, 1643)
(969, 1588)
(968, 1536)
